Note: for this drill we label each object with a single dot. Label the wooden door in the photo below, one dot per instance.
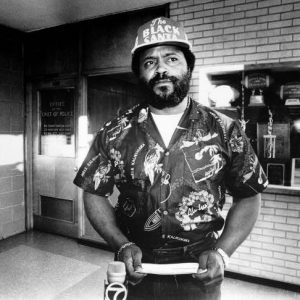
(108, 96)
(55, 205)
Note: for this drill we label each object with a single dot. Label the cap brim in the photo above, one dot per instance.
(182, 44)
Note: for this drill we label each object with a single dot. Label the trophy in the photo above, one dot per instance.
(242, 120)
(269, 139)
(257, 82)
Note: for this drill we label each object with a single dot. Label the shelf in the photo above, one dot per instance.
(283, 190)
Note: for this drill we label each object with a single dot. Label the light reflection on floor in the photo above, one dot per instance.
(38, 265)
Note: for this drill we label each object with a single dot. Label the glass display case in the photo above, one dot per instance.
(266, 101)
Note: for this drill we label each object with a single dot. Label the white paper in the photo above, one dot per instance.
(170, 269)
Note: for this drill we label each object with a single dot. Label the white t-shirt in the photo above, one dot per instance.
(166, 125)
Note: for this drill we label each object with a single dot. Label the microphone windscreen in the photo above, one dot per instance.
(116, 272)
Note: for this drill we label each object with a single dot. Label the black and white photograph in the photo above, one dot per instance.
(150, 149)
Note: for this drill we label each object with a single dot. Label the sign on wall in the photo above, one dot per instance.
(57, 122)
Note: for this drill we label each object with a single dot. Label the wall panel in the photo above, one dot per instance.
(12, 204)
(107, 42)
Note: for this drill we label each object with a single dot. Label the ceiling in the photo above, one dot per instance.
(31, 15)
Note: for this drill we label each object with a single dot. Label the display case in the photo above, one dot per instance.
(266, 100)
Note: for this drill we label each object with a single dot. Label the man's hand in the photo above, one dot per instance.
(132, 257)
(213, 262)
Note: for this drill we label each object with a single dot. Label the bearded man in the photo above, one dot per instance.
(172, 160)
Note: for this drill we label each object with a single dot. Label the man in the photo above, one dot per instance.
(172, 161)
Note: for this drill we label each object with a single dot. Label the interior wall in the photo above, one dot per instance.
(12, 206)
(108, 96)
(237, 32)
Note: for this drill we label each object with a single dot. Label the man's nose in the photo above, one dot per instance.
(161, 68)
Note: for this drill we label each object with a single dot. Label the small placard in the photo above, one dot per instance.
(290, 90)
(275, 173)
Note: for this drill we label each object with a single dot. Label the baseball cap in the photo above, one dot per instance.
(161, 31)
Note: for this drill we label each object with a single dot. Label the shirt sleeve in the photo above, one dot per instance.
(245, 176)
(96, 174)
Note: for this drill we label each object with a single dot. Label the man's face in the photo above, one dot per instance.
(165, 75)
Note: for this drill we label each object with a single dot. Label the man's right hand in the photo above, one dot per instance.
(107, 227)
(132, 257)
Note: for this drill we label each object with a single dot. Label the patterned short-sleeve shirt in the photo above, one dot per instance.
(171, 194)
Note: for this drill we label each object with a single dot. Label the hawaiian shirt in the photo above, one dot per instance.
(175, 193)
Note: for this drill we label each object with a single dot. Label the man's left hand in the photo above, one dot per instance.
(211, 261)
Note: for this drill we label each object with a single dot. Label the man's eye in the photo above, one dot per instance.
(148, 63)
(172, 59)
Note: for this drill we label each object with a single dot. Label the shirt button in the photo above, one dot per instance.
(165, 212)
(167, 153)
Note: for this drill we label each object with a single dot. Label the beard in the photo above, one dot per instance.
(164, 98)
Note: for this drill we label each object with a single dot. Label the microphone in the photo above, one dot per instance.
(116, 275)
(116, 272)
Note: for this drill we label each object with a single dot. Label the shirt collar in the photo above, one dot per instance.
(144, 111)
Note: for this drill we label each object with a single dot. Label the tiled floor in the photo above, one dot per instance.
(37, 265)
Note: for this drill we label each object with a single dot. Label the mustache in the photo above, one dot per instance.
(162, 76)
(163, 100)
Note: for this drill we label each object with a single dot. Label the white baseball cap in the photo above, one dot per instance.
(161, 31)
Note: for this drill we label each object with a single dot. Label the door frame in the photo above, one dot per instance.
(28, 161)
(29, 139)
